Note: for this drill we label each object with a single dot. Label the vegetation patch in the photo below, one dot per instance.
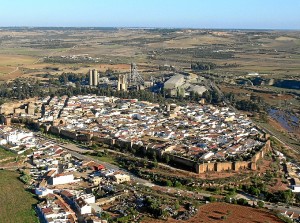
(16, 204)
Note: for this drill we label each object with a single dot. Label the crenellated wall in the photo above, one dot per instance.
(123, 143)
(182, 160)
(68, 134)
(54, 130)
(191, 164)
(224, 166)
(236, 166)
(107, 141)
(240, 165)
(206, 167)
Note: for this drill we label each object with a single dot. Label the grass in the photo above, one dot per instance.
(107, 159)
(4, 154)
(16, 204)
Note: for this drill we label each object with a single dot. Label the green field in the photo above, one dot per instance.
(6, 155)
(16, 204)
(107, 159)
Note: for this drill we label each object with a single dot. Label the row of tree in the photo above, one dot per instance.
(27, 88)
(203, 66)
(21, 89)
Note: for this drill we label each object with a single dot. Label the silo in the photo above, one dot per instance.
(90, 77)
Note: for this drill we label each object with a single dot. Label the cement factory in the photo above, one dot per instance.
(131, 81)
(176, 84)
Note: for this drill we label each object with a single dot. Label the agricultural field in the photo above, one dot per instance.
(271, 57)
(32, 50)
(214, 212)
(228, 213)
(16, 204)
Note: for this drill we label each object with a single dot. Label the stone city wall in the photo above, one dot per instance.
(238, 165)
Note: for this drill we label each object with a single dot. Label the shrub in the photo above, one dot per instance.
(212, 199)
(260, 204)
(242, 201)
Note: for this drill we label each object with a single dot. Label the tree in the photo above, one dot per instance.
(254, 190)
(260, 204)
(25, 178)
(207, 96)
(212, 199)
(203, 66)
(286, 196)
(155, 163)
(242, 201)
(227, 199)
(247, 105)
(230, 97)
(177, 184)
(231, 191)
(224, 217)
(177, 205)
(215, 97)
(167, 158)
(168, 183)
(105, 215)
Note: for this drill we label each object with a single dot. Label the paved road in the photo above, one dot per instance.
(269, 205)
(282, 207)
(109, 166)
(287, 145)
(74, 151)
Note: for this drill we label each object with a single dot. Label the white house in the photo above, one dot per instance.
(88, 198)
(62, 179)
(3, 141)
(120, 178)
(82, 206)
(14, 137)
(41, 191)
(296, 188)
(207, 155)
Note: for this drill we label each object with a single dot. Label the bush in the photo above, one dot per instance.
(242, 201)
(212, 199)
(260, 204)
(224, 217)
(284, 218)
(168, 183)
(177, 205)
(227, 199)
(25, 178)
(177, 184)
(231, 191)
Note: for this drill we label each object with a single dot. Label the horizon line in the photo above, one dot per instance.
(151, 28)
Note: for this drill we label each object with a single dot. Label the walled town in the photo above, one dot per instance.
(194, 134)
(199, 137)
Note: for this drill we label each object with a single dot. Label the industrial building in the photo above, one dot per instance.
(198, 89)
(30, 108)
(174, 82)
(122, 82)
(173, 86)
(181, 85)
(93, 77)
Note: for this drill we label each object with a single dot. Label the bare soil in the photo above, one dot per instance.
(227, 213)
